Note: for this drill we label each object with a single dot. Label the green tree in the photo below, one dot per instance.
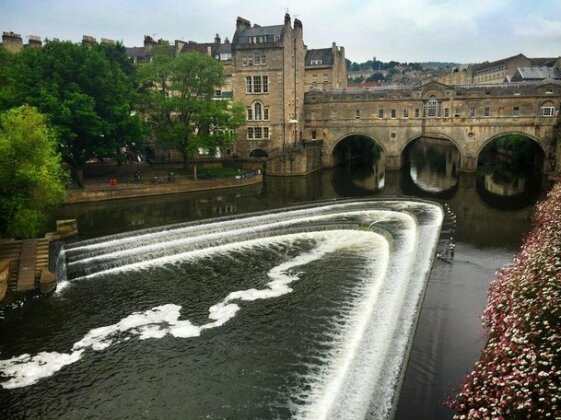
(31, 175)
(178, 101)
(86, 95)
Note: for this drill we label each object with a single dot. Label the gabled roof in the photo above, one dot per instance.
(325, 55)
(487, 64)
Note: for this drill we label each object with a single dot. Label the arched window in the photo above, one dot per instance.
(432, 107)
(258, 111)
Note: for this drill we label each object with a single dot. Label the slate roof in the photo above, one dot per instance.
(544, 61)
(269, 31)
(223, 49)
(138, 52)
(323, 54)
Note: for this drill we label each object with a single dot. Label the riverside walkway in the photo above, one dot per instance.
(127, 187)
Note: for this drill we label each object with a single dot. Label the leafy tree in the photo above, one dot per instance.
(376, 77)
(178, 100)
(6, 85)
(31, 175)
(86, 95)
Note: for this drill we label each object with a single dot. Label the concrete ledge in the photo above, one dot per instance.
(115, 193)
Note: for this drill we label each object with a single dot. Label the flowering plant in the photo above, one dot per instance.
(519, 372)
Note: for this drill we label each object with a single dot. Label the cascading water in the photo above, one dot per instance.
(306, 312)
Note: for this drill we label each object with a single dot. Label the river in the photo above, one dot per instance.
(483, 228)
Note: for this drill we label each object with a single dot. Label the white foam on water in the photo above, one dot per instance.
(211, 250)
(160, 243)
(25, 370)
(165, 319)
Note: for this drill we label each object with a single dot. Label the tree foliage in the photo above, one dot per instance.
(178, 100)
(86, 93)
(31, 175)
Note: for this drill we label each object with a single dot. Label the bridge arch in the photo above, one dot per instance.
(338, 153)
(434, 135)
(494, 137)
(376, 141)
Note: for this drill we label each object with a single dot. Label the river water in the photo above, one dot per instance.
(484, 223)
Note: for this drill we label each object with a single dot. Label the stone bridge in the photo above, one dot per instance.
(468, 116)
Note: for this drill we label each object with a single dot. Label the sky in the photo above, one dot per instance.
(402, 30)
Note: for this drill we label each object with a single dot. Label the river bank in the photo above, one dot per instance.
(170, 184)
(519, 372)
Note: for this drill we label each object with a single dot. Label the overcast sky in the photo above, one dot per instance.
(402, 30)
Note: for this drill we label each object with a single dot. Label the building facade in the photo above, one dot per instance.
(268, 78)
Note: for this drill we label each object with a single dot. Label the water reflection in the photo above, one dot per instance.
(509, 172)
(433, 164)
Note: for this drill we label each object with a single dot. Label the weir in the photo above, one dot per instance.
(361, 266)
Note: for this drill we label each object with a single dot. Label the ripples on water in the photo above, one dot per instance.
(305, 313)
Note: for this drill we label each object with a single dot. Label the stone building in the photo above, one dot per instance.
(497, 71)
(268, 78)
(325, 68)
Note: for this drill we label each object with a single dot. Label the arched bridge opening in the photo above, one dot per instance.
(510, 165)
(432, 164)
(361, 159)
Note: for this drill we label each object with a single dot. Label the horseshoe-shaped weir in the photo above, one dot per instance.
(303, 312)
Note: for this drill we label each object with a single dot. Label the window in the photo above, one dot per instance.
(472, 112)
(417, 113)
(257, 112)
(218, 92)
(457, 113)
(432, 107)
(446, 112)
(258, 133)
(487, 112)
(547, 111)
(257, 84)
(357, 114)
(325, 77)
(405, 113)
(380, 113)
(333, 114)
(316, 62)
(515, 111)
(314, 134)
(393, 113)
